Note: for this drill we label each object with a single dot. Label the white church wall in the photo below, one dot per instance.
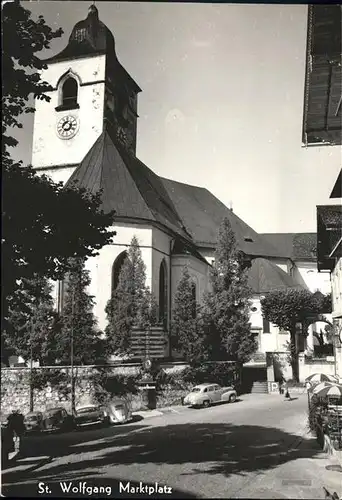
(100, 266)
(48, 149)
(160, 250)
(198, 270)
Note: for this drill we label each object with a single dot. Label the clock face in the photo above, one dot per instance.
(122, 135)
(67, 127)
(125, 136)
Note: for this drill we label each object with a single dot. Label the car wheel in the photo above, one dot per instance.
(206, 403)
(232, 398)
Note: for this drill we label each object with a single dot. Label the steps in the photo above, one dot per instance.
(260, 388)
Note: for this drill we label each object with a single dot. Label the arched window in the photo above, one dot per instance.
(193, 292)
(163, 309)
(117, 268)
(69, 92)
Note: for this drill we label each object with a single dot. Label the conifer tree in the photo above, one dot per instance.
(187, 329)
(226, 306)
(131, 305)
(78, 320)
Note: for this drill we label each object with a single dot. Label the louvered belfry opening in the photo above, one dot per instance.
(69, 92)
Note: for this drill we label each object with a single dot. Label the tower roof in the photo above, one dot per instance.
(92, 37)
(89, 36)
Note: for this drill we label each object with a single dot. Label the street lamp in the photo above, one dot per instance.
(72, 353)
(31, 364)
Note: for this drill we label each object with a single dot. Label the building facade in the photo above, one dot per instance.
(329, 258)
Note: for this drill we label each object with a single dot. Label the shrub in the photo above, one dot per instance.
(108, 385)
(54, 377)
(222, 373)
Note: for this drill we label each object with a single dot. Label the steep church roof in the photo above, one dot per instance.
(133, 191)
(129, 187)
(203, 213)
(264, 276)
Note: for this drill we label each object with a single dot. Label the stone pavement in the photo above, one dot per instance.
(300, 470)
(303, 478)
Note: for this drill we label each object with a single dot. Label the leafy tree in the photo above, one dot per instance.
(22, 39)
(226, 307)
(56, 224)
(49, 224)
(35, 326)
(132, 304)
(78, 321)
(286, 308)
(187, 326)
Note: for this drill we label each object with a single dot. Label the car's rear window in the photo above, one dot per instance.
(86, 410)
(31, 418)
(54, 413)
(196, 389)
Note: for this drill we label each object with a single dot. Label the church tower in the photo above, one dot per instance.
(90, 88)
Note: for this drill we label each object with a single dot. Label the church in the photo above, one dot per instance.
(87, 134)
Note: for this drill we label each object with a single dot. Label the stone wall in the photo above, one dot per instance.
(15, 388)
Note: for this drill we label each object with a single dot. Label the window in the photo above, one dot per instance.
(163, 294)
(116, 269)
(69, 93)
(265, 326)
(193, 293)
(80, 34)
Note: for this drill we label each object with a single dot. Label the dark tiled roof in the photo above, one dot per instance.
(337, 189)
(295, 246)
(89, 36)
(92, 37)
(264, 276)
(203, 213)
(129, 187)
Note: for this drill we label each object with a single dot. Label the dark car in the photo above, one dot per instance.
(90, 415)
(34, 421)
(7, 443)
(58, 419)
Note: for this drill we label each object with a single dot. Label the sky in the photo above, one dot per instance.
(222, 102)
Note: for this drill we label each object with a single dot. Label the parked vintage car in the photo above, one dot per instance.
(208, 394)
(118, 411)
(57, 419)
(7, 443)
(33, 421)
(90, 415)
